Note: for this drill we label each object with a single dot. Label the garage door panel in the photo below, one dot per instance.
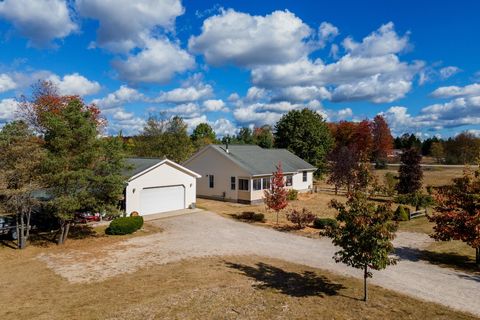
(162, 199)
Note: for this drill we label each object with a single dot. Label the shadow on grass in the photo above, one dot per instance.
(82, 231)
(443, 259)
(290, 283)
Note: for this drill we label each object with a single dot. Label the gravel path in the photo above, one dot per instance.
(208, 234)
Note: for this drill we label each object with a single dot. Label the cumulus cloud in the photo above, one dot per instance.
(187, 94)
(119, 97)
(238, 38)
(75, 84)
(185, 110)
(455, 91)
(381, 42)
(215, 105)
(8, 108)
(40, 21)
(6, 83)
(124, 23)
(327, 32)
(299, 94)
(157, 63)
(255, 94)
(458, 109)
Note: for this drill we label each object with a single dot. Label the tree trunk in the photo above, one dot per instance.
(65, 234)
(18, 232)
(365, 275)
(477, 256)
(21, 235)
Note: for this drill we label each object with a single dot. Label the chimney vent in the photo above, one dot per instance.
(226, 145)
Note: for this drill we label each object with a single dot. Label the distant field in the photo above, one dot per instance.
(433, 176)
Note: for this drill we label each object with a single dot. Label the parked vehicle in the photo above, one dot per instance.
(85, 217)
(8, 226)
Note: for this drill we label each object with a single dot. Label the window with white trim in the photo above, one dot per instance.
(232, 183)
(211, 181)
(257, 184)
(288, 181)
(243, 184)
(266, 183)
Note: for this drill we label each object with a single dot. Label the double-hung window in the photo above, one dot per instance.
(289, 181)
(211, 181)
(257, 184)
(304, 177)
(243, 184)
(232, 183)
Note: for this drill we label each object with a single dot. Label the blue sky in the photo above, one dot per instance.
(244, 63)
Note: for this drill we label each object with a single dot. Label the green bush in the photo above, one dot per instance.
(292, 195)
(402, 214)
(251, 216)
(322, 223)
(124, 225)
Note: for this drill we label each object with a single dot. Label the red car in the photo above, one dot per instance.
(85, 217)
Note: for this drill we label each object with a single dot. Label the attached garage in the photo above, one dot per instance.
(156, 186)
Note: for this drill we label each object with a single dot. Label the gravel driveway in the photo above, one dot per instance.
(208, 234)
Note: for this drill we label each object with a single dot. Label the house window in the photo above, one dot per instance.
(288, 181)
(243, 184)
(266, 183)
(232, 183)
(257, 184)
(211, 181)
(304, 178)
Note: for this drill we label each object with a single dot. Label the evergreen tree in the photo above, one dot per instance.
(410, 173)
(203, 135)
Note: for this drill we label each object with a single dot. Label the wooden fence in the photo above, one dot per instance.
(417, 214)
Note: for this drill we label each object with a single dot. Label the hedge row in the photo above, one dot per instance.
(124, 225)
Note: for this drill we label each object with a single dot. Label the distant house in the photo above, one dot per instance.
(158, 185)
(240, 173)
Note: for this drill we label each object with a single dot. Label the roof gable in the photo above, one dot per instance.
(141, 166)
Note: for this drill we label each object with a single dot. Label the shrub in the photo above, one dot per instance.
(124, 225)
(401, 214)
(251, 216)
(292, 194)
(301, 218)
(323, 223)
(390, 185)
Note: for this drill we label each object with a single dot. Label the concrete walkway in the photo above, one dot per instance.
(206, 234)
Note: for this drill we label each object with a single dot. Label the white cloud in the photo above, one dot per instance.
(185, 110)
(457, 109)
(255, 94)
(377, 88)
(6, 83)
(455, 91)
(327, 32)
(75, 84)
(223, 127)
(8, 108)
(187, 94)
(40, 21)
(334, 51)
(299, 94)
(381, 42)
(123, 23)
(239, 38)
(448, 72)
(215, 105)
(157, 63)
(116, 99)
(233, 97)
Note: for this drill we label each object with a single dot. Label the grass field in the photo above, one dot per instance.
(212, 288)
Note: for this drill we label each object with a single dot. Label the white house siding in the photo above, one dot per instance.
(161, 176)
(299, 184)
(209, 162)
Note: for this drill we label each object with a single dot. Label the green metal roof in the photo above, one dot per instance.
(137, 165)
(259, 161)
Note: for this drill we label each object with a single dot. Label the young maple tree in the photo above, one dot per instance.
(276, 196)
(457, 215)
(365, 235)
(382, 140)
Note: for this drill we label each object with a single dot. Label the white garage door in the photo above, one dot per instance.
(161, 199)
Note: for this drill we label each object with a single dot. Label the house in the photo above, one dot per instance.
(158, 185)
(241, 173)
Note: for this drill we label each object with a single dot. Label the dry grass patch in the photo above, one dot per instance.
(228, 288)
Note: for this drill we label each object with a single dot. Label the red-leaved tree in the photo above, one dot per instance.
(382, 140)
(276, 196)
(457, 215)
